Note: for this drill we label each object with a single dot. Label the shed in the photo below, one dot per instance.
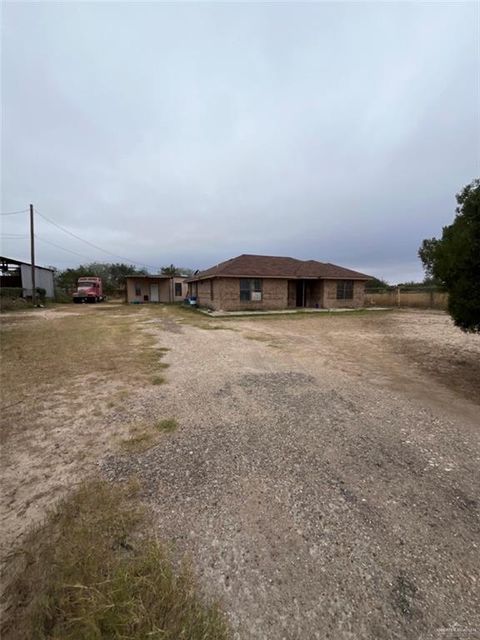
(18, 274)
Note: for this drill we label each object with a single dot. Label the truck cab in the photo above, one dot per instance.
(89, 289)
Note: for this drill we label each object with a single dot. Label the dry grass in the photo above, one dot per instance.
(143, 436)
(138, 442)
(72, 356)
(87, 574)
(190, 316)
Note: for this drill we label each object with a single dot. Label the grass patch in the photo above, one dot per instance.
(87, 574)
(78, 355)
(301, 315)
(167, 425)
(190, 316)
(138, 442)
(158, 380)
(143, 436)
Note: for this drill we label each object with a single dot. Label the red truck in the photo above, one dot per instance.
(89, 289)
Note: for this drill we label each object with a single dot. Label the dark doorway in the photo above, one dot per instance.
(300, 298)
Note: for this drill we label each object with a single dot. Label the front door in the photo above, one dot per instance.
(154, 292)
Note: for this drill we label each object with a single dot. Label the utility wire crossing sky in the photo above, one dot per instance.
(189, 133)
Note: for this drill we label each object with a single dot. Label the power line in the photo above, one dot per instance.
(70, 233)
(11, 236)
(81, 255)
(13, 213)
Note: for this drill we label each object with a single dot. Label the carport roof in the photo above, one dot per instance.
(4, 261)
(277, 267)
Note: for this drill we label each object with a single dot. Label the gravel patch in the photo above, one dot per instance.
(324, 488)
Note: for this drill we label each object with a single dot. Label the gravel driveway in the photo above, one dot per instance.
(325, 475)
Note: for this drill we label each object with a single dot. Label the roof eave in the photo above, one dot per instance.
(279, 277)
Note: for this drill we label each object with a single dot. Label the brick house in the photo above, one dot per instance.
(155, 288)
(251, 282)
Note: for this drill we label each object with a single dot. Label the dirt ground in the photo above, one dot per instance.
(324, 476)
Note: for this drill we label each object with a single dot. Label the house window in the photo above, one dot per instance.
(250, 290)
(138, 290)
(178, 289)
(211, 289)
(345, 290)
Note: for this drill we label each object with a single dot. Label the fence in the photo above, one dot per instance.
(415, 298)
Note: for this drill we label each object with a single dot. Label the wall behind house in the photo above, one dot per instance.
(416, 299)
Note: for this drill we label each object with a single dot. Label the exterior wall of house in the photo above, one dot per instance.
(329, 298)
(143, 284)
(184, 286)
(205, 291)
(223, 294)
(292, 293)
(226, 295)
(313, 293)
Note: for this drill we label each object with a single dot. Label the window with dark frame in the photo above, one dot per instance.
(138, 290)
(250, 290)
(345, 290)
(211, 289)
(178, 289)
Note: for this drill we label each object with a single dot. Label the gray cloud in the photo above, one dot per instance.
(190, 133)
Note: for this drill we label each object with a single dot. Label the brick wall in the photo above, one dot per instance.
(277, 293)
(227, 295)
(292, 294)
(204, 289)
(330, 301)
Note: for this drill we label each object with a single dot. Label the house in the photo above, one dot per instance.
(251, 282)
(155, 288)
(18, 275)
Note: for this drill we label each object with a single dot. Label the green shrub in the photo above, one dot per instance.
(11, 292)
(62, 296)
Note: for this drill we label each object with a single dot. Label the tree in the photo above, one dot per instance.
(426, 254)
(172, 270)
(454, 259)
(377, 283)
(112, 275)
(185, 271)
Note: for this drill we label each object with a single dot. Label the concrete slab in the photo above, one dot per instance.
(285, 312)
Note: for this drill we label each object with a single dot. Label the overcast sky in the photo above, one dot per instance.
(191, 133)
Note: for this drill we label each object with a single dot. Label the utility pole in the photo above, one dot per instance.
(32, 257)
